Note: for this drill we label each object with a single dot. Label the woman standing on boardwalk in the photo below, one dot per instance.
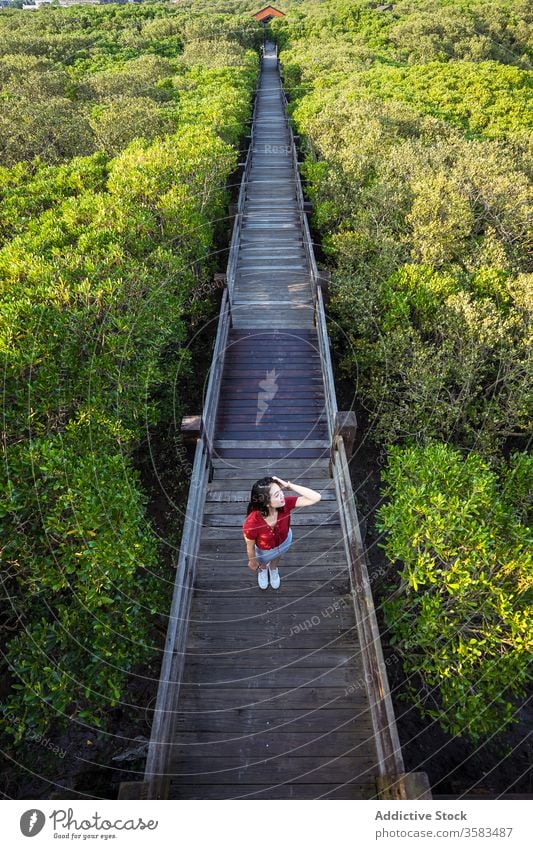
(266, 529)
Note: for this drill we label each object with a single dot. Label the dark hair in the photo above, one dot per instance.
(260, 496)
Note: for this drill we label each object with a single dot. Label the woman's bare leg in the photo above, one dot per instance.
(274, 563)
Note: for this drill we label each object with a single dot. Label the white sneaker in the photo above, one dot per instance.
(262, 578)
(275, 579)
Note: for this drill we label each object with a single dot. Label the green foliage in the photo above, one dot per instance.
(112, 182)
(75, 567)
(415, 130)
(460, 617)
(54, 129)
(27, 189)
(402, 196)
(443, 355)
(126, 118)
(74, 81)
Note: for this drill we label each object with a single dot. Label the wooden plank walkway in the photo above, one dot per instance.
(272, 702)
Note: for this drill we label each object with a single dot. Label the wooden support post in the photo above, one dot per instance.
(191, 429)
(220, 280)
(132, 790)
(324, 280)
(407, 785)
(345, 427)
(232, 211)
(308, 207)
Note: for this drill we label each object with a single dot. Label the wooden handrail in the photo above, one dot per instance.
(156, 778)
(156, 772)
(390, 760)
(330, 396)
(237, 222)
(215, 375)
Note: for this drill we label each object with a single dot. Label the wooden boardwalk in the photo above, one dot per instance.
(272, 280)
(272, 701)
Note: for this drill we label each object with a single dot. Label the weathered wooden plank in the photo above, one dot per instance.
(235, 571)
(257, 430)
(242, 496)
(299, 519)
(254, 426)
(248, 319)
(297, 580)
(270, 453)
(269, 790)
(310, 408)
(277, 443)
(295, 744)
(303, 334)
(207, 700)
(215, 640)
(305, 534)
(266, 605)
(303, 401)
(312, 415)
(285, 622)
(241, 481)
(258, 719)
(293, 466)
(305, 769)
(231, 508)
(320, 556)
(243, 375)
(248, 419)
(278, 657)
(221, 578)
(212, 678)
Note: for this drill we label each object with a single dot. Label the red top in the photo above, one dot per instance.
(256, 528)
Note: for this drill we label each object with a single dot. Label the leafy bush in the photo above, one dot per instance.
(460, 617)
(443, 355)
(414, 128)
(101, 259)
(116, 123)
(80, 572)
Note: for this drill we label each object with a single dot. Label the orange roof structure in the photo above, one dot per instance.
(267, 13)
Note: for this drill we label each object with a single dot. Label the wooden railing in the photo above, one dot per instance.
(237, 222)
(163, 726)
(156, 778)
(390, 763)
(390, 760)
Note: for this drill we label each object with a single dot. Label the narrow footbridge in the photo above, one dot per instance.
(275, 694)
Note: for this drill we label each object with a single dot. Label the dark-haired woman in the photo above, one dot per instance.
(267, 527)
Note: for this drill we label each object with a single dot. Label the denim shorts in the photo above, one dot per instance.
(265, 555)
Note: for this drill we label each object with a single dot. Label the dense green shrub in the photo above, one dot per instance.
(76, 553)
(100, 259)
(414, 126)
(460, 616)
(443, 355)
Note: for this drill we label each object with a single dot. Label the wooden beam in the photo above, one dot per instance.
(346, 426)
(220, 279)
(132, 790)
(191, 428)
(406, 785)
(324, 281)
